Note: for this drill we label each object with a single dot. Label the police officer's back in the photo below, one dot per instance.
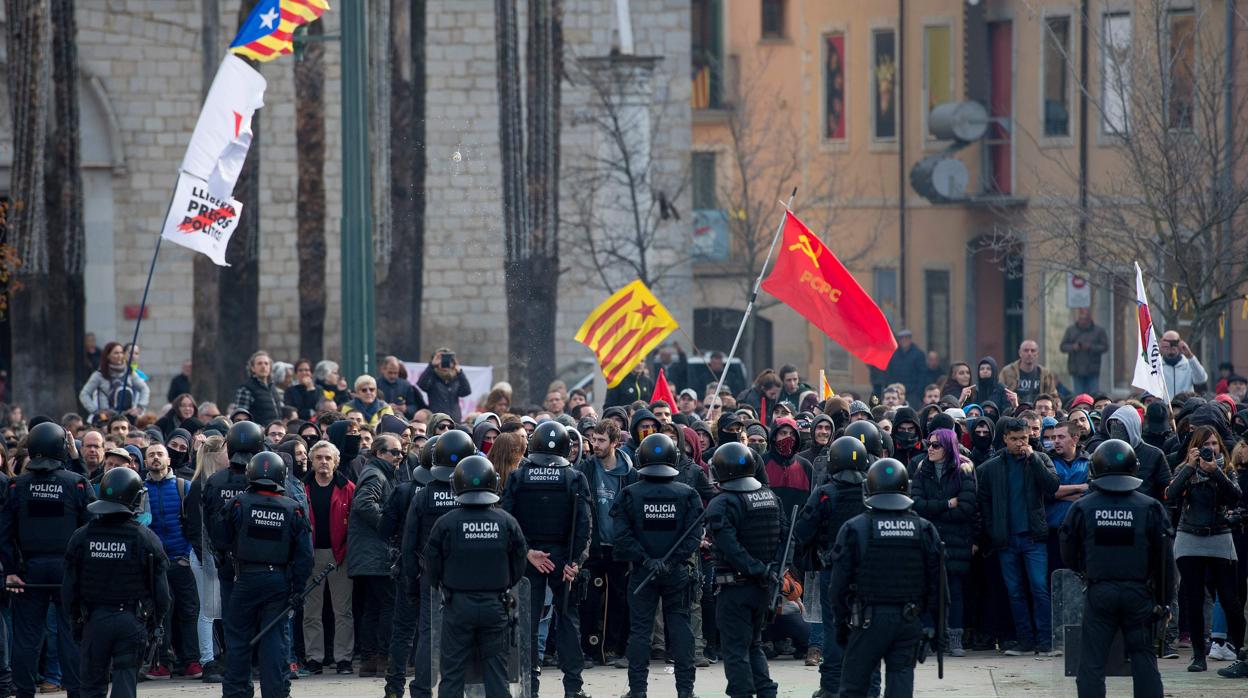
(550, 500)
(654, 518)
(746, 525)
(1119, 540)
(269, 539)
(242, 441)
(115, 590)
(44, 506)
(886, 568)
(475, 554)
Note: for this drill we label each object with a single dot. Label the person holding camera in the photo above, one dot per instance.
(444, 383)
(1204, 486)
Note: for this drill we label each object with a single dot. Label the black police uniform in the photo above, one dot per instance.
(219, 491)
(551, 502)
(885, 572)
(746, 529)
(475, 554)
(45, 505)
(650, 517)
(406, 613)
(270, 542)
(114, 583)
(429, 504)
(1120, 543)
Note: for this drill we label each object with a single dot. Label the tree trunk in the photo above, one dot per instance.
(310, 212)
(41, 361)
(205, 351)
(239, 293)
(402, 286)
(530, 191)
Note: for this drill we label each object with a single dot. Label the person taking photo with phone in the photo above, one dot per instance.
(444, 383)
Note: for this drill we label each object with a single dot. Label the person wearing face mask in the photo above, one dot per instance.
(756, 437)
(483, 436)
(791, 476)
(1203, 486)
(310, 433)
(179, 448)
(982, 436)
(344, 434)
(987, 387)
(1071, 464)
(906, 435)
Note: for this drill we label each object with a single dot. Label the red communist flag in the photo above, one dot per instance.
(811, 280)
(663, 391)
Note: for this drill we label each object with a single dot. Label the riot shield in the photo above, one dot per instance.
(1067, 595)
(519, 662)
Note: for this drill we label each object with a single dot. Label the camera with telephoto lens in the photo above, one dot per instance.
(1206, 454)
(1235, 518)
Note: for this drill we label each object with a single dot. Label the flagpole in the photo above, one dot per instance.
(146, 287)
(749, 307)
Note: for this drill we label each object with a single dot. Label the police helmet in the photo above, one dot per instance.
(267, 470)
(888, 486)
(423, 473)
(733, 464)
(847, 454)
(46, 446)
(549, 444)
(658, 456)
(121, 492)
(1114, 467)
(244, 440)
(475, 482)
(869, 435)
(454, 446)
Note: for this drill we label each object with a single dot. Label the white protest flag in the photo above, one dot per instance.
(1148, 374)
(222, 135)
(200, 221)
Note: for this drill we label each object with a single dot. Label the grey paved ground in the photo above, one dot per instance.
(981, 674)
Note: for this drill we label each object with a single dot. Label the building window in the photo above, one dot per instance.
(1181, 82)
(939, 304)
(1056, 76)
(1116, 73)
(773, 19)
(937, 66)
(705, 55)
(703, 175)
(884, 287)
(834, 86)
(883, 85)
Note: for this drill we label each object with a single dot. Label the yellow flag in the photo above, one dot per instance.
(624, 328)
(825, 390)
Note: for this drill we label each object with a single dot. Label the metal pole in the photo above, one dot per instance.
(357, 234)
(749, 307)
(151, 268)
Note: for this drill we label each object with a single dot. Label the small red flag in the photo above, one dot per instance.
(663, 391)
(811, 280)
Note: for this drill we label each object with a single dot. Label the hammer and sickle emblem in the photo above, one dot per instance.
(803, 245)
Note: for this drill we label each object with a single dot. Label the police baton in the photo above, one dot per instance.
(290, 605)
(32, 586)
(786, 558)
(688, 531)
(942, 612)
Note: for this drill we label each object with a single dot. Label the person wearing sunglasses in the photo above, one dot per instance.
(369, 553)
(367, 401)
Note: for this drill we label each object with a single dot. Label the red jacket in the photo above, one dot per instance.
(339, 510)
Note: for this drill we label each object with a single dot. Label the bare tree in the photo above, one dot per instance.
(402, 284)
(621, 202)
(310, 213)
(530, 177)
(1172, 202)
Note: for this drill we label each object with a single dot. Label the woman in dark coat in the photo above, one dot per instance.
(943, 489)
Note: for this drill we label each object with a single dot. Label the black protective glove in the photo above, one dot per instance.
(842, 634)
(655, 566)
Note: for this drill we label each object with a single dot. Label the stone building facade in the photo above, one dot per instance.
(142, 70)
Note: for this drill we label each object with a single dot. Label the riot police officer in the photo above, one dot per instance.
(551, 502)
(886, 566)
(746, 526)
(242, 441)
(429, 504)
(115, 589)
(406, 607)
(827, 509)
(270, 542)
(476, 553)
(1119, 540)
(44, 506)
(869, 434)
(654, 530)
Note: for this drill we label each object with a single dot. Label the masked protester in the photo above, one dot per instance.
(790, 475)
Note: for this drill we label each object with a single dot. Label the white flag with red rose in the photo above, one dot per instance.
(1148, 374)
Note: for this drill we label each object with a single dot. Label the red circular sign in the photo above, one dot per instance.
(1078, 281)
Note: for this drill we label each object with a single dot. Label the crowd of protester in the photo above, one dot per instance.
(996, 455)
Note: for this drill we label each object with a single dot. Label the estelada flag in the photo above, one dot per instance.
(663, 391)
(270, 28)
(625, 328)
(811, 280)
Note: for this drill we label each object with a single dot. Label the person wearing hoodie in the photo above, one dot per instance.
(791, 476)
(988, 387)
(1124, 424)
(907, 436)
(483, 436)
(821, 430)
(179, 448)
(344, 434)
(608, 471)
(369, 554)
(705, 443)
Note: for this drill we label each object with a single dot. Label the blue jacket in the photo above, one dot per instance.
(166, 503)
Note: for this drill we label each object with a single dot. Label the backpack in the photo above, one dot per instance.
(120, 395)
